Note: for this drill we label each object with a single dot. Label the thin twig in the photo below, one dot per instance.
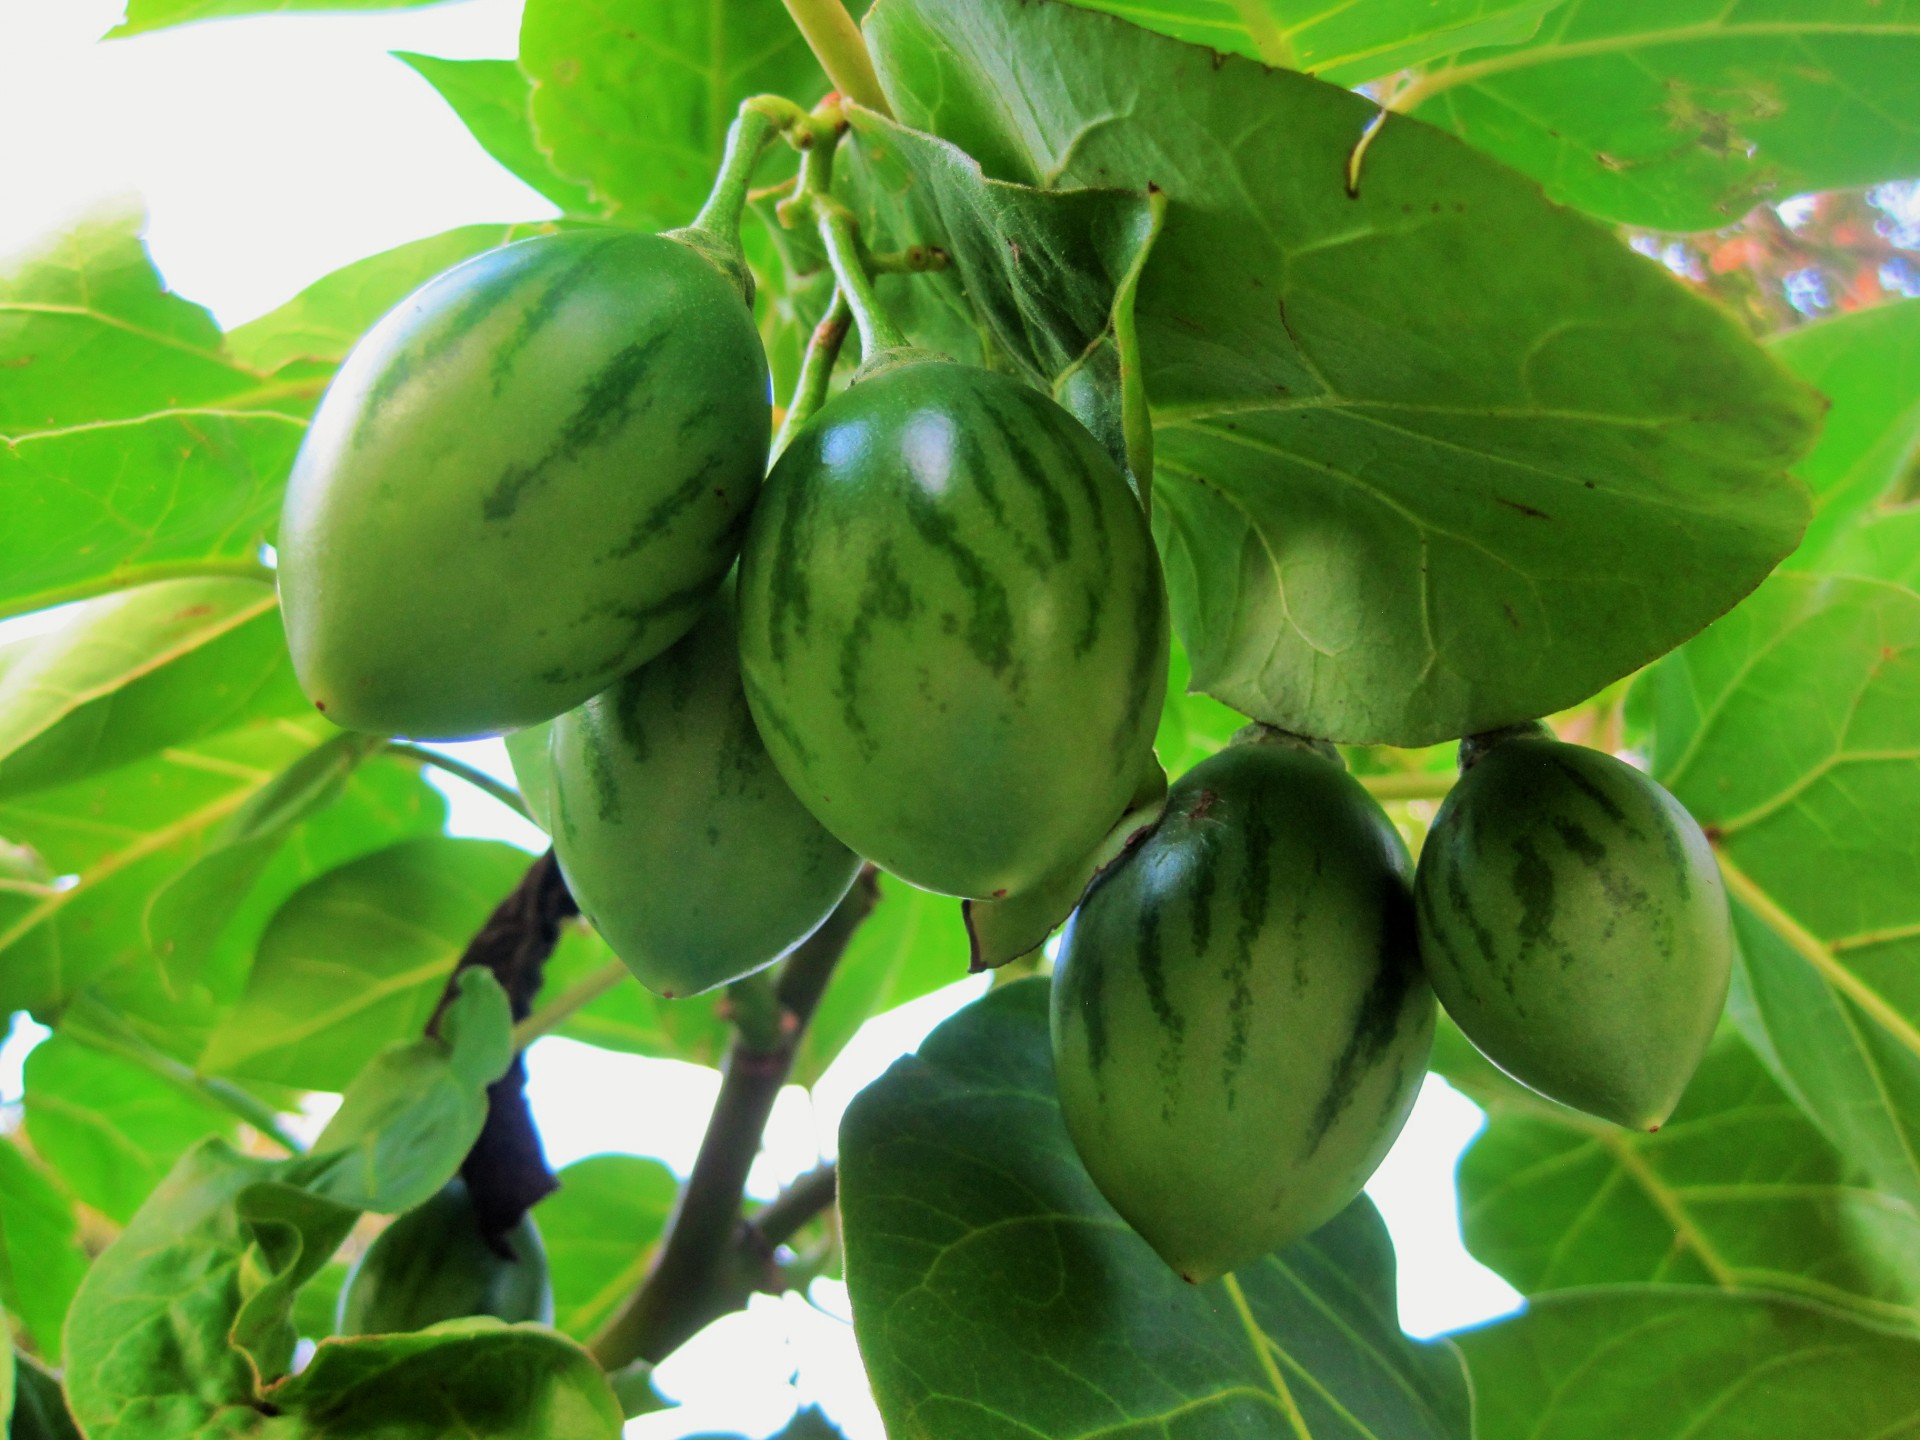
(479, 779)
(841, 50)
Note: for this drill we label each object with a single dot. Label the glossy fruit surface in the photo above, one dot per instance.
(1240, 1024)
(433, 1264)
(675, 832)
(1575, 926)
(953, 628)
(526, 480)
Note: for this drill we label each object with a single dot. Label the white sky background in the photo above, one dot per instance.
(270, 151)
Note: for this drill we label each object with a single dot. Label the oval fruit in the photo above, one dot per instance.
(1574, 924)
(1240, 1023)
(526, 480)
(675, 832)
(433, 1264)
(953, 628)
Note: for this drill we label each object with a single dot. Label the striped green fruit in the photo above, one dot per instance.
(433, 1264)
(677, 836)
(1240, 1024)
(953, 628)
(526, 480)
(1575, 926)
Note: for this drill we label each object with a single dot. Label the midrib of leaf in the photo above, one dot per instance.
(1275, 46)
(1635, 1166)
(115, 322)
(1263, 1350)
(1806, 782)
(1438, 82)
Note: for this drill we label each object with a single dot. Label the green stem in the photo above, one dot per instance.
(138, 575)
(106, 1031)
(576, 997)
(760, 118)
(816, 370)
(479, 779)
(1417, 786)
(839, 233)
(841, 49)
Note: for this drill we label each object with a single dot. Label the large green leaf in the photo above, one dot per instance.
(41, 1261)
(131, 673)
(108, 1127)
(996, 1294)
(599, 1229)
(1791, 730)
(1737, 1189)
(1342, 43)
(144, 15)
(1683, 114)
(493, 99)
(1659, 1363)
(1431, 457)
(110, 841)
(357, 958)
(635, 96)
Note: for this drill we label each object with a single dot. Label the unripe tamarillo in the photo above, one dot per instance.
(675, 832)
(1575, 926)
(526, 480)
(953, 628)
(1240, 1023)
(433, 1264)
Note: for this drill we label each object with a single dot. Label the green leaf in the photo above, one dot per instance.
(972, 1231)
(89, 333)
(599, 1229)
(493, 99)
(356, 960)
(114, 840)
(477, 1378)
(912, 944)
(1429, 458)
(1193, 726)
(1791, 730)
(1342, 43)
(411, 1115)
(1863, 471)
(313, 332)
(132, 673)
(41, 1261)
(532, 769)
(635, 96)
(109, 1128)
(188, 915)
(1684, 114)
(6, 1371)
(317, 1306)
(1659, 1363)
(40, 1410)
(144, 15)
(630, 1018)
(1737, 1189)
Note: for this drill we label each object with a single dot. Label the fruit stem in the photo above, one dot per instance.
(562, 1008)
(479, 779)
(840, 234)
(760, 119)
(841, 49)
(816, 370)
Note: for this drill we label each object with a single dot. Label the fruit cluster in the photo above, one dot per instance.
(934, 636)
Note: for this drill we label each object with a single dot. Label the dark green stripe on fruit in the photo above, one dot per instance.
(1256, 888)
(885, 596)
(657, 523)
(543, 308)
(1383, 1009)
(989, 628)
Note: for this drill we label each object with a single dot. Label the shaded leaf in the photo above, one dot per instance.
(132, 673)
(973, 1230)
(1791, 730)
(493, 100)
(356, 960)
(1342, 43)
(1684, 114)
(1660, 1363)
(41, 1261)
(1737, 1189)
(1426, 455)
(39, 1409)
(409, 1118)
(635, 96)
(110, 1128)
(600, 1228)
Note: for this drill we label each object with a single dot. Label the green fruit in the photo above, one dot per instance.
(1240, 1024)
(526, 480)
(677, 836)
(953, 628)
(1574, 924)
(433, 1264)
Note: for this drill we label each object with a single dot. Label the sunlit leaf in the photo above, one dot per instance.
(599, 1229)
(493, 99)
(41, 1261)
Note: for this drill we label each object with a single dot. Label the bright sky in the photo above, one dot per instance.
(270, 151)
